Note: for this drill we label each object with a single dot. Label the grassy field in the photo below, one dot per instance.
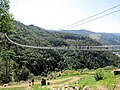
(111, 81)
(39, 87)
(86, 79)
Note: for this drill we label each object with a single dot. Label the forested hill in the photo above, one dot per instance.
(33, 35)
(25, 62)
(103, 38)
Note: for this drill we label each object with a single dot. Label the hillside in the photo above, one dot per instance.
(33, 35)
(82, 31)
(103, 38)
(26, 62)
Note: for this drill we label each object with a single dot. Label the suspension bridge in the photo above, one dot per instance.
(83, 48)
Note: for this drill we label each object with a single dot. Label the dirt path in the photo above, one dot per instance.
(58, 80)
(14, 86)
(101, 88)
(52, 82)
(117, 87)
(73, 79)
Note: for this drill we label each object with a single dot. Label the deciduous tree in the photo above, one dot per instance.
(6, 19)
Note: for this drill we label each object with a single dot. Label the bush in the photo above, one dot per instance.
(109, 67)
(100, 74)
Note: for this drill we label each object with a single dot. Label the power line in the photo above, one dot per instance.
(92, 16)
(94, 19)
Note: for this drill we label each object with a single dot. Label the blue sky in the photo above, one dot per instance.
(55, 14)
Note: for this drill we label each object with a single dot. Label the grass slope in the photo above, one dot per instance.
(86, 79)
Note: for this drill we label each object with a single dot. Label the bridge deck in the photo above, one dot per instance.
(88, 48)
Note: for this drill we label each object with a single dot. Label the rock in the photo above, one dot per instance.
(86, 88)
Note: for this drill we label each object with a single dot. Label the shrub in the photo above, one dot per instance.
(100, 74)
(109, 67)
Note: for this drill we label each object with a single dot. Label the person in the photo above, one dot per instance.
(32, 81)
